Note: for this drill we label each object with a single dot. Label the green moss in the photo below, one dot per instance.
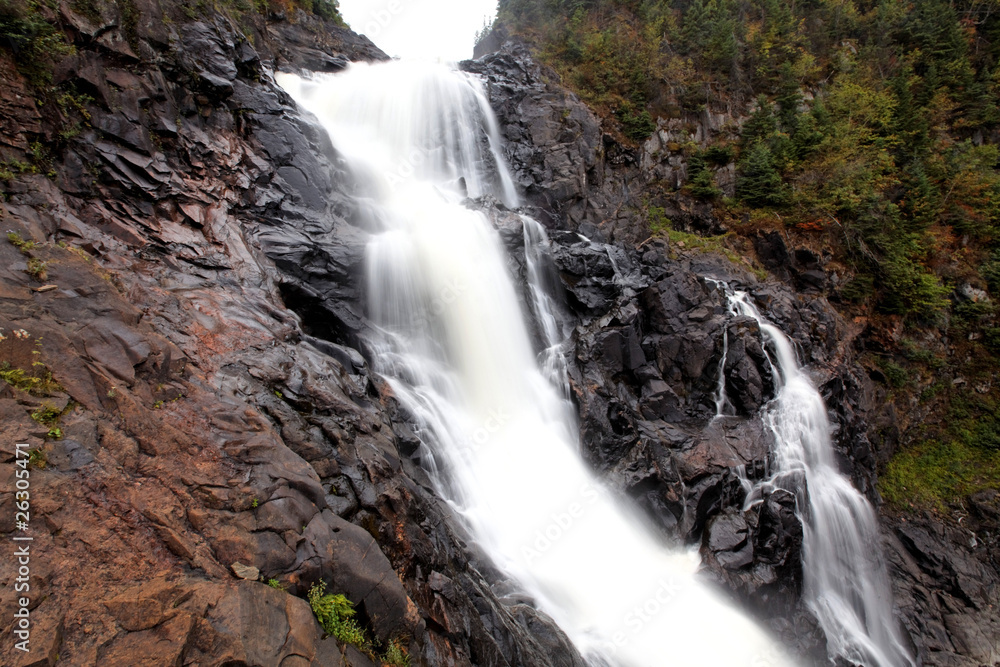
(660, 225)
(935, 474)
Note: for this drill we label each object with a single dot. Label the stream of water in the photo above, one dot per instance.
(500, 438)
(846, 584)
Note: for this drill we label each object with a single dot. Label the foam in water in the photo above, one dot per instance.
(846, 585)
(501, 441)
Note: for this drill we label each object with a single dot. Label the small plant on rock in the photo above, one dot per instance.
(21, 379)
(15, 240)
(395, 656)
(335, 614)
(36, 269)
(47, 415)
(37, 459)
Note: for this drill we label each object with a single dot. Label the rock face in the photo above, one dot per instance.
(210, 401)
(650, 331)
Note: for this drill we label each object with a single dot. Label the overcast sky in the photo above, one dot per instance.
(438, 29)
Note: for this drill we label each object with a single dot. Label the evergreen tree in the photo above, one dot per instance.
(701, 180)
(762, 124)
(759, 183)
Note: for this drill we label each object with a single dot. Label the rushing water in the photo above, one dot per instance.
(500, 440)
(846, 585)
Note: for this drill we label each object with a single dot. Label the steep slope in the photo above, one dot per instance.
(866, 131)
(649, 352)
(166, 204)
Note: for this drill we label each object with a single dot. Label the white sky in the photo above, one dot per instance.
(435, 29)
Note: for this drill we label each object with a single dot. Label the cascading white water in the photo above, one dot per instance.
(501, 443)
(846, 584)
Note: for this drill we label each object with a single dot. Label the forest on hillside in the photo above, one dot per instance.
(870, 124)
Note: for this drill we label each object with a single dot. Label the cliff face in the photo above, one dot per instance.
(204, 397)
(192, 421)
(647, 351)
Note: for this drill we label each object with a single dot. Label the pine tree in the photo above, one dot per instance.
(761, 126)
(759, 183)
(701, 180)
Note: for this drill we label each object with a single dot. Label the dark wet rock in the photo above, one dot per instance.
(553, 141)
(728, 537)
(945, 590)
(207, 332)
(773, 254)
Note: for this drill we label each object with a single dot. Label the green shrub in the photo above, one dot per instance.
(656, 218)
(636, 125)
(36, 268)
(895, 375)
(908, 288)
(759, 181)
(38, 459)
(859, 289)
(24, 246)
(990, 271)
(327, 9)
(701, 180)
(913, 351)
(718, 156)
(991, 338)
(35, 43)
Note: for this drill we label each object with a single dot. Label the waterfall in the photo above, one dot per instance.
(846, 584)
(501, 441)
